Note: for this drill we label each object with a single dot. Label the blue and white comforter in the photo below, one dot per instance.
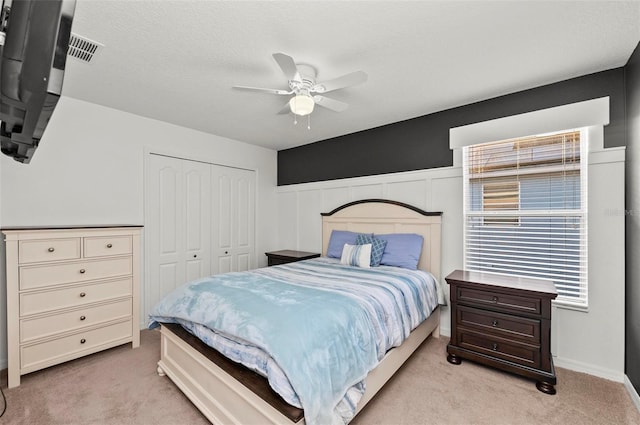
(314, 328)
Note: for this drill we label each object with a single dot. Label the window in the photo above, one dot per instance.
(525, 210)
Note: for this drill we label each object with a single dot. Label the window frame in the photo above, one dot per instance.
(580, 302)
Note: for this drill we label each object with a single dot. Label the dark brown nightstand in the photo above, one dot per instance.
(503, 322)
(288, 256)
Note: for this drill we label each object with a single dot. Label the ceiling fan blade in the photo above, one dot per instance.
(346, 80)
(326, 102)
(285, 109)
(272, 91)
(288, 66)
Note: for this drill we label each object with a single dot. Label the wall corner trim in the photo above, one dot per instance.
(574, 115)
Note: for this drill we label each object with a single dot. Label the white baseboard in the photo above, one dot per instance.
(632, 392)
(590, 369)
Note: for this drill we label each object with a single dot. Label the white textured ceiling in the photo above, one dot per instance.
(176, 61)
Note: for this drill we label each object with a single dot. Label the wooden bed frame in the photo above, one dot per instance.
(217, 391)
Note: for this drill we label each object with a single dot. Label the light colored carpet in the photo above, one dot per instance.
(121, 386)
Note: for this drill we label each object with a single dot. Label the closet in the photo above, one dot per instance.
(199, 221)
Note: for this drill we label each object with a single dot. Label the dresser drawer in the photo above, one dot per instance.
(56, 350)
(31, 329)
(505, 325)
(494, 346)
(499, 301)
(57, 274)
(107, 245)
(35, 251)
(43, 301)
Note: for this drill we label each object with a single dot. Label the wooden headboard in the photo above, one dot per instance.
(384, 216)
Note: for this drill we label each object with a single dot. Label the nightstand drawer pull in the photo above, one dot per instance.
(51, 249)
(83, 294)
(83, 317)
(82, 341)
(109, 245)
(495, 299)
(82, 271)
(494, 347)
(494, 323)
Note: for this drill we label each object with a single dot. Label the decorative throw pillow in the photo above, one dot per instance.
(402, 250)
(338, 239)
(377, 247)
(356, 255)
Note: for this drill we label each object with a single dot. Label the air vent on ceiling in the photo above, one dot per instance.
(82, 48)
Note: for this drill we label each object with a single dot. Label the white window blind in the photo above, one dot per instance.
(525, 210)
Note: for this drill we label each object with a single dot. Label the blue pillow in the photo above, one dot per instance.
(402, 250)
(338, 239)
(377, 247)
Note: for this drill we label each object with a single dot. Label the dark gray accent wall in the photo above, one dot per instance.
(632, 251)
(423, 142)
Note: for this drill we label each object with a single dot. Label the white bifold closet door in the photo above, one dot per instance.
(199, 221)
(233, 217)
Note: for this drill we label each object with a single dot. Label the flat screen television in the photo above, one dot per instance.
(32, 63)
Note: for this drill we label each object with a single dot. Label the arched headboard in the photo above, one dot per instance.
(384, 216)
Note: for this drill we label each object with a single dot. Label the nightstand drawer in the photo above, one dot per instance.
(499, 301)
(507, 326)
(490, 345)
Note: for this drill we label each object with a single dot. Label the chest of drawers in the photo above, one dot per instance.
(70, 292)
(503, 322)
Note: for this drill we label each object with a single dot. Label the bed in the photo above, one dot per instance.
(225, 393)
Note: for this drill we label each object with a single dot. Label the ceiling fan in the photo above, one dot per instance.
(305, 90)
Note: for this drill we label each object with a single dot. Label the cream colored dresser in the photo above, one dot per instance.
(70, 292)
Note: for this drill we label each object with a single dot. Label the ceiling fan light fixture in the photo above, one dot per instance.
(301, 104)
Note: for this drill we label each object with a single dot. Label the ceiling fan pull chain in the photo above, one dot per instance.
(309, 122)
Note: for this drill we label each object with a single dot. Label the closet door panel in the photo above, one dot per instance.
(164, 228)
(178, 228)
(197, 223)
(233, 206)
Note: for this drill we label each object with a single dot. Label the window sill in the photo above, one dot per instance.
(569, 306)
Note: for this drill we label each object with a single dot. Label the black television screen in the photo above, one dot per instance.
(32, 62)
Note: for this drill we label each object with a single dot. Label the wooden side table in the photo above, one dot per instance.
(503, 322)
(288, 256)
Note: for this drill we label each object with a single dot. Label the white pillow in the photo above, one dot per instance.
(356, 255)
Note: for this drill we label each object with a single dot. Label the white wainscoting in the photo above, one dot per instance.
(589, 341)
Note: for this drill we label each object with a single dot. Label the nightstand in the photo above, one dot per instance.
(503, 322)
(288, 256)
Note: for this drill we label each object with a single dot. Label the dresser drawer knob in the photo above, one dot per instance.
(494, 347)
(82, 341)
(82, 317)
(51, 249)
(494, 323)
(495, 299)
(82, 295)
(82, 271)
(109, 245)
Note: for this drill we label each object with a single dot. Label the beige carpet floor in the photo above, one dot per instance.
(121, 386)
